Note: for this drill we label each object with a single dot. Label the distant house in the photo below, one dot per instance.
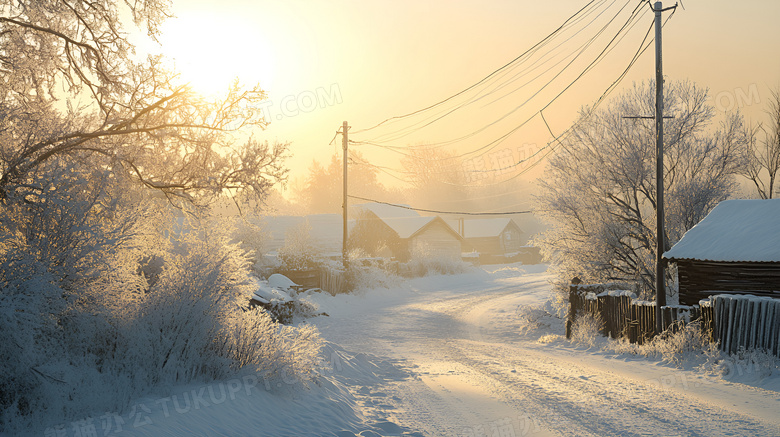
(387, 231)
(492, 236)
(735, 250)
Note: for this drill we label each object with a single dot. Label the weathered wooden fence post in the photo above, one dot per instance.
(573, 302)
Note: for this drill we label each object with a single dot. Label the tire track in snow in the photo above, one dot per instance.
(567, 398)
(588, 400)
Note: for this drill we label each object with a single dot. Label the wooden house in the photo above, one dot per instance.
(492, 236)
(401, 234)
(734, 250)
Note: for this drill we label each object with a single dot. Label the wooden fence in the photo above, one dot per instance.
(733, 321)
(743, 321)
(622, 313)
(326, 278)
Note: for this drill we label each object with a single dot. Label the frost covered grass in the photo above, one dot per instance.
(587, 330)
(685, 346)
(424, 262)
(535, 320)
(745, 366)
(373, 275)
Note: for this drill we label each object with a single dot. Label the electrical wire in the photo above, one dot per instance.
(396, 135)
(433, 211)
(491, 145)
(642, 48)
(556, 31)
(557, 139)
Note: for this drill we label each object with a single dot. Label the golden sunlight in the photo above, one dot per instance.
(210, 51)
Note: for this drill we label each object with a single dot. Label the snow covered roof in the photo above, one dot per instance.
(405, 227)
(735, 230)
(384, 211)
(481, 228)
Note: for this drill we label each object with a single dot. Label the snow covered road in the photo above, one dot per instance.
(472, 373)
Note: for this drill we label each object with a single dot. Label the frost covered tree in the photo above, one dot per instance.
(87, 132)
(322, 191)
(762, 162)
(436, 176)
(72, 89)
(599, 195)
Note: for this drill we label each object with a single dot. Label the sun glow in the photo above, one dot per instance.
(211, 51)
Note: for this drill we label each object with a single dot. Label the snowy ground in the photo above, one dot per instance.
(474, 374)
(451, 356)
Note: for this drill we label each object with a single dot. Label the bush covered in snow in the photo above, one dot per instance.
(587, 330)
(681, 345)
(746, 365)
(97, 306)
(367, 272)
(424, 262)
(534, 319)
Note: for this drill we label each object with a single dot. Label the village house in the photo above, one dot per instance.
(734, 250)
(389, 231)
(492, 236)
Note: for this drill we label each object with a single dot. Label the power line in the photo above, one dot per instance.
(550, 147)
(579, 52)
(438, 212)
(543, 41)
(400, 133)
(644, 45)
(493, 144)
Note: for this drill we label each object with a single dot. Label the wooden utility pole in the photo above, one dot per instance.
(345, 146)
(660, 288)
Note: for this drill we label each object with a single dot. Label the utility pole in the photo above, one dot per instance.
(660, 286)
(345, 146)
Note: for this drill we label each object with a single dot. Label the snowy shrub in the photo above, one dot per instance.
(253, 341)
(115, 308)
(533, 319)
(366, 273)
(550, 338)
(682, 342)
(424, 262)
(171, 334)
(373, 276)
(250, 236)
(752, 364)
(587, 330)
(67, 257)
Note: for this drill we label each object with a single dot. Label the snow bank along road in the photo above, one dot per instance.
(472, 372)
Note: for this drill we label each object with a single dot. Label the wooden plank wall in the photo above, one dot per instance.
(700, 279)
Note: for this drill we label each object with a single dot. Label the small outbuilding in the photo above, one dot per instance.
(735, 250)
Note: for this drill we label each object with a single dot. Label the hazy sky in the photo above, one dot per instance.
(324, 62)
